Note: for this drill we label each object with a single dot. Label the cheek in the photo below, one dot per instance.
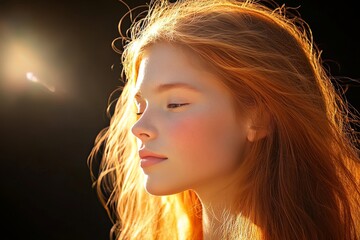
(205, 140)
(189, 130)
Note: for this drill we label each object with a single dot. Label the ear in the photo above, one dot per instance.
(259, 126)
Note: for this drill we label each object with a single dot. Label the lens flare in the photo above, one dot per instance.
(32, 77)
(28, 56)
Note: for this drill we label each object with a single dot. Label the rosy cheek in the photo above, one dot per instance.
(186, 128)
(192, 136)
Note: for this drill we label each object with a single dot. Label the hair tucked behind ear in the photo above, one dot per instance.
(300, 182)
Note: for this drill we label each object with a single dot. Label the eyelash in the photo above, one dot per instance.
(171, 106)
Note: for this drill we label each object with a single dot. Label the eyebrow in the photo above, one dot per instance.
(169, 86)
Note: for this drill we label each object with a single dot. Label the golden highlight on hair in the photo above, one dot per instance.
(300, 182)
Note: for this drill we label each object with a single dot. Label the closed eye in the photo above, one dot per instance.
(170, 105)
(176, 105)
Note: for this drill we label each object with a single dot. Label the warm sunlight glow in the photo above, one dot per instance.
(31, 77)
(30, 57)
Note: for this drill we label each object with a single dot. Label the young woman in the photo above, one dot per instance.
(228, 127)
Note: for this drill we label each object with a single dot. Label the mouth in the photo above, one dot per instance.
(150, 158)
(150, 161)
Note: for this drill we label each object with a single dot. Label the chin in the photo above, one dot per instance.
(159, 189)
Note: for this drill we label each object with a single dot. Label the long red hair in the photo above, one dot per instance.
(300, 182)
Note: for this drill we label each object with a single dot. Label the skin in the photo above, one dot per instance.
(195, 127)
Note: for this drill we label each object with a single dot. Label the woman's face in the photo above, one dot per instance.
(189, 120)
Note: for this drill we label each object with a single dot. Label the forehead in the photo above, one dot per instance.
(163, 63)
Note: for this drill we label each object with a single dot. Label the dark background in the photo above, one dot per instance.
(46, 136)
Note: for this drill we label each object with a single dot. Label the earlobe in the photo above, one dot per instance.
(259, 127)
(255, 134)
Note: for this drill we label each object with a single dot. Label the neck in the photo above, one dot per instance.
(212, 224)
(218, 208)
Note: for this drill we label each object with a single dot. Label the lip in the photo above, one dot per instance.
(150, 161)
(149, 158)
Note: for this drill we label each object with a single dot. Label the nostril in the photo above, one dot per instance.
(136, 129)
(140, 133)
(144, 135)
(144, 129)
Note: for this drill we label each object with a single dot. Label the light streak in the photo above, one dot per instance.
(33, 78)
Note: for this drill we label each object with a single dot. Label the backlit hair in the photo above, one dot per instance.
(302, 180)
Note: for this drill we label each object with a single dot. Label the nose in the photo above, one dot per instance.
(143, 129)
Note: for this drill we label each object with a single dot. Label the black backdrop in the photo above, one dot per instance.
(46, 137)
